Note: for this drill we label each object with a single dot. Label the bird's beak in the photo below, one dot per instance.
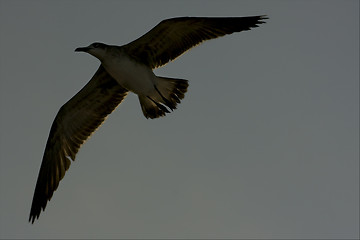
(82, 49)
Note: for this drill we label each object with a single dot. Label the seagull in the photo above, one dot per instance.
(123, 69)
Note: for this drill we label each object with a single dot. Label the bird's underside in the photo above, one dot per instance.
(83, 114)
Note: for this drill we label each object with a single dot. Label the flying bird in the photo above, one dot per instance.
(123, 69)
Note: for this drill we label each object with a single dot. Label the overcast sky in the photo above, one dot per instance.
(264, 145)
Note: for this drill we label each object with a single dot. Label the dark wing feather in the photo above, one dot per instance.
(172, 37)
(74, 123)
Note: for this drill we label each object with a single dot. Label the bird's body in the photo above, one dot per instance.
(123, 69)
(132, 75)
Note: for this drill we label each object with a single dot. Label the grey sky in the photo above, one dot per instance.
(264, 145)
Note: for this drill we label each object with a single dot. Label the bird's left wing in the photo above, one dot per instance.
(172, 37)
(74, 123)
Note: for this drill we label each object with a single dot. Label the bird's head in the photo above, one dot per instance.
(97, 49)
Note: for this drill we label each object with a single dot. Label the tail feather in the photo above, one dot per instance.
(169, 92)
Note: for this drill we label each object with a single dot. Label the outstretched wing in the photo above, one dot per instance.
(74, 123)
(172, 37)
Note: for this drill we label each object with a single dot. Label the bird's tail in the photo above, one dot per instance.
(169, 92)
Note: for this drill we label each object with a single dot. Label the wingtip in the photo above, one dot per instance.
(31, 219)
(34, 214)
(263, 17)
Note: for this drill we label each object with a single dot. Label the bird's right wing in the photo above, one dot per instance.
(75, 122)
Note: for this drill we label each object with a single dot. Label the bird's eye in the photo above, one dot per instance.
(96, 45)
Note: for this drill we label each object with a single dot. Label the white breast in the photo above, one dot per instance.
(133, 76)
